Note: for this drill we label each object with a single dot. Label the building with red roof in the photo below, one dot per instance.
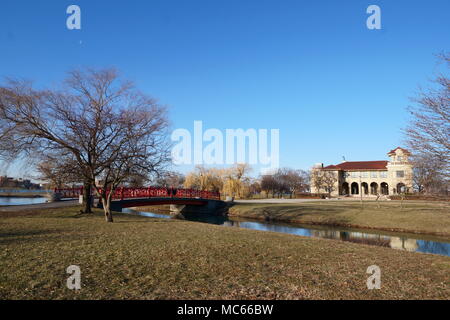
(365, 178)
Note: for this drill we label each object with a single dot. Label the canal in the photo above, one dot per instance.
(399, 241)
(18, 201)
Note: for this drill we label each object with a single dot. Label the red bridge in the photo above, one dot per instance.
(135, 197)
(148, 192)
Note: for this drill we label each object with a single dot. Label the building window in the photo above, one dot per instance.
(383, 174)
(400, 174)
(355, 174)
(364, 174)
(399, 158)
(374, 174)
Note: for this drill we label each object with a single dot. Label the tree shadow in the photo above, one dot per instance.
(20, 236)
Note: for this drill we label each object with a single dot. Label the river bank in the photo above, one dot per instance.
(397, 241)
(174, 259)
(411, 217)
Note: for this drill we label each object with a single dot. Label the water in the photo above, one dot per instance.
(400, 241)
(24, 191)
(16, 201)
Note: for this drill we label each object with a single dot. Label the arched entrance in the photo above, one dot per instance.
(345, 188)
(384, 188)
(364, 188)
(374, 188)
(401, 188)
(355, 188)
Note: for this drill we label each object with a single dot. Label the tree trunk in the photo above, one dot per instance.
(107, 208)
(87, 197)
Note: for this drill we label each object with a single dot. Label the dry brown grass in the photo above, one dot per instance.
(414, 217)
(142, 258)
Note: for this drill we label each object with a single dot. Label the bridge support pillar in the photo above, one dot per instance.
(212, 207)
(176, 208)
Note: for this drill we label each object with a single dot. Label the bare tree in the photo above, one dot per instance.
(295, 180)
(106, 127)
(316, 179)
(290, 181)
(171, 179)
(204, 178)
(239, 174)
(428, 175)
(323, 180)
(269, 184)
(329, 179)
(58, 172)
(285, 180)
(254, 187)
(428, 134)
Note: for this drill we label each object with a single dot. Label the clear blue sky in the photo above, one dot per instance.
(309, 68)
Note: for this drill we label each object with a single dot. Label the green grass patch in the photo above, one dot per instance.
(142, 258)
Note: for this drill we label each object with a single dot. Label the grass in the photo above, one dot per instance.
(415, 217)
(142, 258)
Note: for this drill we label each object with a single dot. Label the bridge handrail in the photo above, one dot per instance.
(146, 192)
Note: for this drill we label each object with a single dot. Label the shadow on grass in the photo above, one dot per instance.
(23, 236)
(24, 233)
(299, 213)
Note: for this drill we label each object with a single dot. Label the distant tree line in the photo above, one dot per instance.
(8, 182)
(236, 181)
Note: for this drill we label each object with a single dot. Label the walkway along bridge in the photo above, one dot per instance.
(180, 200)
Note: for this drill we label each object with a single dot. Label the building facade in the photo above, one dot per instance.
(366, 178)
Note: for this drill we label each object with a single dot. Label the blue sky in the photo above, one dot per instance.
(309, 68)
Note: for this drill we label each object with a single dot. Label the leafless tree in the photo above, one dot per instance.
(254, 187)
(323, 180)
(428, 134)
(268, 184)
(103, 125)
(428, 175)
(285, 180)
(171, 179)
(292, 181)
(316, 179)
(57, 172)
(329, 179)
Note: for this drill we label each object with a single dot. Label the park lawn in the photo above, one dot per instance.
(144, 258)
(413, 216)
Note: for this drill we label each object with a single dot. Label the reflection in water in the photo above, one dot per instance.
(13, 201)
(395, 241)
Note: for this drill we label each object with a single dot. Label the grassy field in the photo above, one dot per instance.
(414, 217)
(141, 258)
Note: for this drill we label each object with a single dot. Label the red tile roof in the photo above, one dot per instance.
(359, 165)
(399, 148)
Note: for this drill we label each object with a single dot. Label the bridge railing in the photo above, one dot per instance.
(69, 193)
(147, 192)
